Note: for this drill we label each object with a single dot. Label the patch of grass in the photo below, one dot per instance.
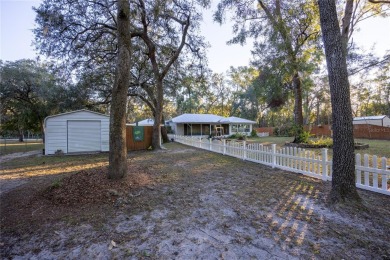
(56, 184)
(50, 165)
(377, 147)
(17, 147)
(279, 141)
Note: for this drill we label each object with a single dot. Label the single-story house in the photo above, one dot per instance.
(372, 120)
(77, 131)
(207, 124)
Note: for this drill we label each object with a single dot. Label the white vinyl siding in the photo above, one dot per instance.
(84, 136)
(56, 131)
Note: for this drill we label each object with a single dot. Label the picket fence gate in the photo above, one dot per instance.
(372, 177)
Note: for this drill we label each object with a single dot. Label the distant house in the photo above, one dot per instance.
(145, 122)
(372, 120)
(77, 131)
(207, 124)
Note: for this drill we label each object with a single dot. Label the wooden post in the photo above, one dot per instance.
(210, 144)
(224, 146)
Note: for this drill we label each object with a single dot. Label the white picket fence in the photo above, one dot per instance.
(372, 177)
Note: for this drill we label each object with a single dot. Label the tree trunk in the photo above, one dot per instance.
(156, 143)
(343, 176)
(298, 115)
(164, 133)
(42, 126)
(118, 152)
(21, 139)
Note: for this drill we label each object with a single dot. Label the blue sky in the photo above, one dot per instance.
(17, 21)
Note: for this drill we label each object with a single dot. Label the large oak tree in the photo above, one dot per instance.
(343, 176)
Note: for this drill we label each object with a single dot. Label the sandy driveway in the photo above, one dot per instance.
(200, 205)
(9, 184)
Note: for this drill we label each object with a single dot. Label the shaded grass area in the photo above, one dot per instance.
(197, 204)
(8, 147)
(381, 148)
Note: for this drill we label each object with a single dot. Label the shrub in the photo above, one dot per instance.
(327, 141)
(254, 133)
(302, 137)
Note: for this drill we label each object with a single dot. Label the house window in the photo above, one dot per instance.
(241, 128)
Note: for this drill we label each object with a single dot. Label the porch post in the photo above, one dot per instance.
(201, 130)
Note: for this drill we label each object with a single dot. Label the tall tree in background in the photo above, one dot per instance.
(31, 91)
(288, 28)
(343, 176)
(117, 167)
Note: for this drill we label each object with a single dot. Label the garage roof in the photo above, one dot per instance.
(369, 118)
(76, 111)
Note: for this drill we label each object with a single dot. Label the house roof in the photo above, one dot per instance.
(236, 120)
(369, 118)
(209, 119)
(147, 121)
(197, 118)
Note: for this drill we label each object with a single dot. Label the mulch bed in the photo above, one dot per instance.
(93, 186)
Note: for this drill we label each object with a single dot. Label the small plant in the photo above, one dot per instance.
(59, 152)
(301, 136)
(254, 133)
(327, 142)
(56, 184)
(241, 137)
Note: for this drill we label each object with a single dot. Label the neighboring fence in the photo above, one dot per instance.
(269, 130)
(139, 145)
(371, 132)
(374, 178)
(12, 145)
(319, 130)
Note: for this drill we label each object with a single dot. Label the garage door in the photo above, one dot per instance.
(83, 136)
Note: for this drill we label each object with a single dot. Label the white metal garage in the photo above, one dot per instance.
(77, 131)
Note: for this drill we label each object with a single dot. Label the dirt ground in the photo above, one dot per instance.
(181, 203)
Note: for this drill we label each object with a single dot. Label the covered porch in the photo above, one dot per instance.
(204, 129)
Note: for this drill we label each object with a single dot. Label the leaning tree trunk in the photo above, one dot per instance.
(118, 153)
(343, 176)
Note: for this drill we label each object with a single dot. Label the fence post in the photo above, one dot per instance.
(224, 146)
(324, 163)
(273, 155)
(358, 163)
(200, 142)
(384, 175)
(210, 144)
(244, 153)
